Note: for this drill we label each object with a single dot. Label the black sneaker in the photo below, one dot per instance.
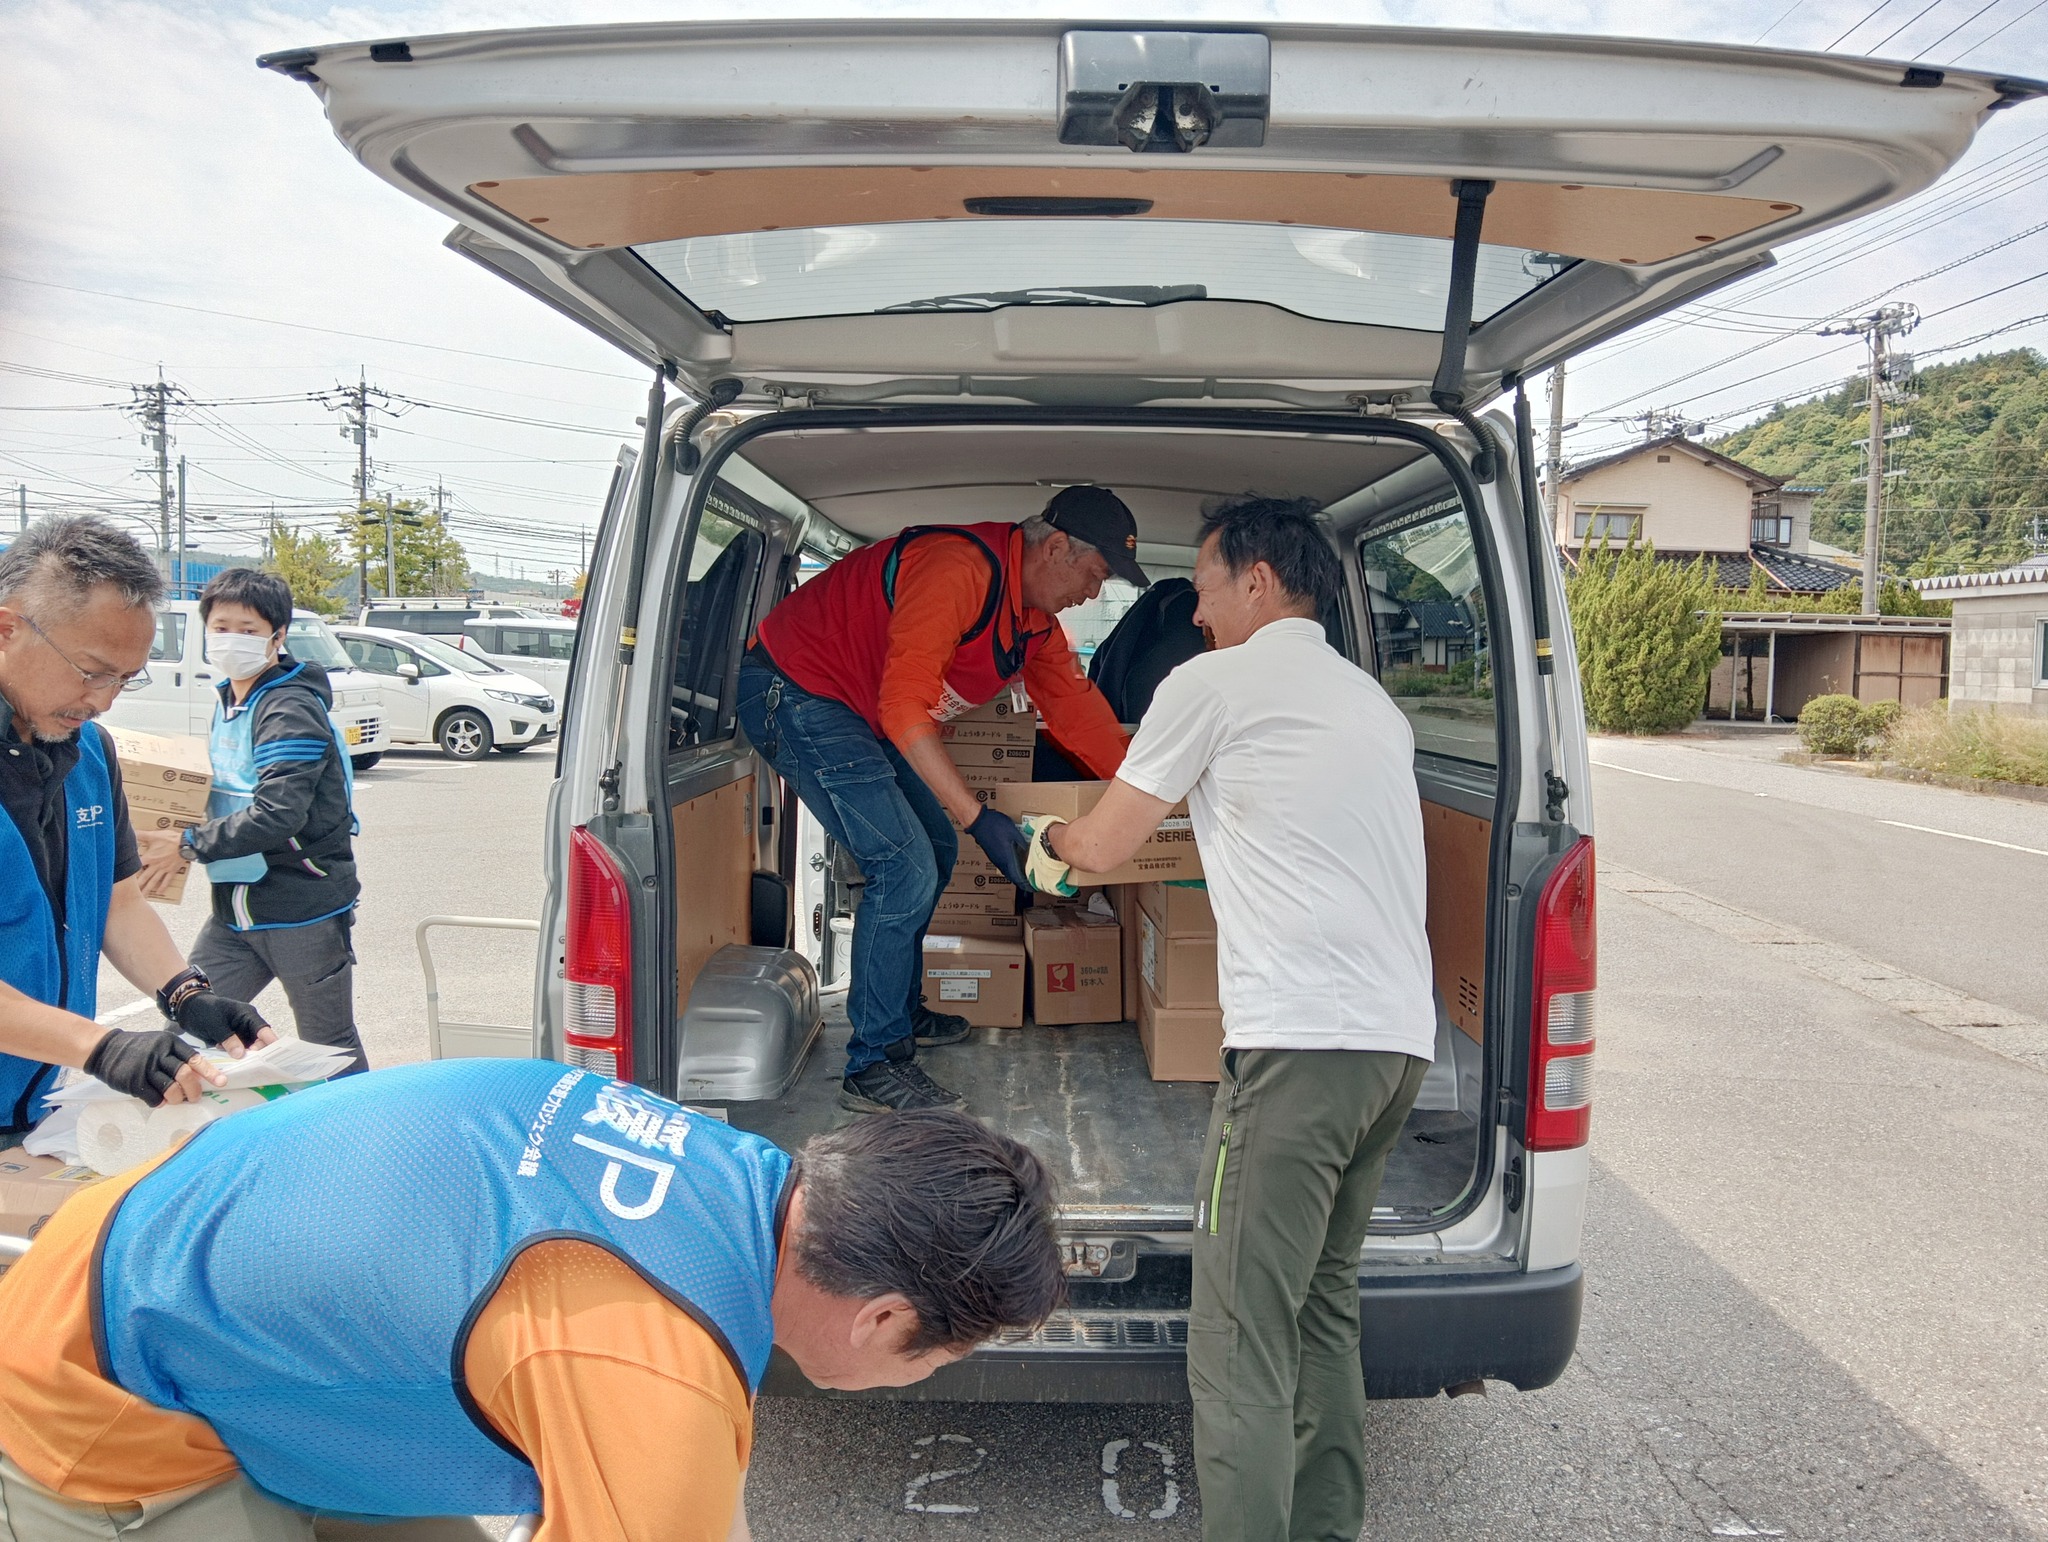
(934, 1029)
(894, 1086)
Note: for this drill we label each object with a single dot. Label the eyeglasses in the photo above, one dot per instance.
(93, 679)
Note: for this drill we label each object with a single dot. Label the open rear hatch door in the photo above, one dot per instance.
(1042, 211)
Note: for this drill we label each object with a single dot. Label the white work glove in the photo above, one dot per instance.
(1047, 873)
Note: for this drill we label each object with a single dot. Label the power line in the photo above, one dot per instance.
(1874, 47)
(1952, 31)
(2023, 15)
(302, 326)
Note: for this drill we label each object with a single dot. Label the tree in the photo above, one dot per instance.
(310, 564)
(429, 559)
(1648, 633)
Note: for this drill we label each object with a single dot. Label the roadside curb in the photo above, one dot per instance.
(1884, 770)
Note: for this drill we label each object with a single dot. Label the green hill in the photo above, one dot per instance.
(1973, 473)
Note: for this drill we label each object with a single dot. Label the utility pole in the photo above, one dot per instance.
(583, 531)
(178, 575)
(1886, 385)
(355, 404)
(151, 407)
(1554, 463)
(390, 552)
(22, 489)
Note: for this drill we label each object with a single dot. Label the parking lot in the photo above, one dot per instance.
(1815, 1240)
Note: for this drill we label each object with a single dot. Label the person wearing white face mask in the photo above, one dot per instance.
(278, 841)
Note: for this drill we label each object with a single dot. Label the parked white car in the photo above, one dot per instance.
(435, 694)
(540, 646)
(176, 694)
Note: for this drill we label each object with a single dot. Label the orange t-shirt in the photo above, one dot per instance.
(637, 1424)
(940, 589)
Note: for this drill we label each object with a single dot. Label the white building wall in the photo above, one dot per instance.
(1996, 659)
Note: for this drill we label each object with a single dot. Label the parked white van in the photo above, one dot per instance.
(536, 646)
(432, 693)
(177, 691)
(909, 271)
(437, 616)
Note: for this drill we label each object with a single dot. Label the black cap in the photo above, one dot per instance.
(1099, 517)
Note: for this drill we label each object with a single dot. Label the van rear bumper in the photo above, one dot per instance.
(1418, 1338)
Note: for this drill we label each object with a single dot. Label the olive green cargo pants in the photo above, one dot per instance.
(1298, 1141)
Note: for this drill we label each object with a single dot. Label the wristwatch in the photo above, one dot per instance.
(185, 849)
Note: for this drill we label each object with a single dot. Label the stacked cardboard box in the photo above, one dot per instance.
(1180, 1019)
(1076, 960)
(166, 782)
(978, 978)
(1169, 853)
(992, 746)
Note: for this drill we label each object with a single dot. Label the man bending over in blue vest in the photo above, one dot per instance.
(486, 1287)
(77, 617)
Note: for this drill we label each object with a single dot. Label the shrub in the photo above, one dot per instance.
(1995, 746)
(1842, 725)
(1648, 633)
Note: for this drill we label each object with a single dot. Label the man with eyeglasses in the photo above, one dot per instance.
(77, 616)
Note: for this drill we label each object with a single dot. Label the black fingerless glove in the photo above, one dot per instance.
(143, 1065)
(216, 1019)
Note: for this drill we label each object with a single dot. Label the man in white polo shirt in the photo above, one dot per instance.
(1299, 774)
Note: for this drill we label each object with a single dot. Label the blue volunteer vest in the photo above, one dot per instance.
(304, 1276)
(62, 971)
(238, 762)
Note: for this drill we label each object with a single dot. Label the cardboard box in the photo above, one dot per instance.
(1123, 899)
(167, 776)
(1181, 1044)
(141, 819)
(32, 1187)
(1181, 909)
(1170, 853)
(996, 900)
(1076, 967)
(1010, 705)
(978, 885)
(1018, 729)
(1004, 928)
(1001, 773)
(1013, 758)
(1178, 971)
(971, 861)
(978, 978)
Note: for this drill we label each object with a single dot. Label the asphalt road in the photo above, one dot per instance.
(1816, 1245)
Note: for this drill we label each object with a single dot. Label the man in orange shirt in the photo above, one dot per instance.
(844, 690)
(485, 1287)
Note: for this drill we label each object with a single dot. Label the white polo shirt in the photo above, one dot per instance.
(1300, 778)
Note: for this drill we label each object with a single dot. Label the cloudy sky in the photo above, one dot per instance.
(165, 205)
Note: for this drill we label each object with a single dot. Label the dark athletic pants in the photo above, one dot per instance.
(316, 965)
(1298, 1141)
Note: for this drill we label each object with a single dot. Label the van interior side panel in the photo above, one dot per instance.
(714, 843)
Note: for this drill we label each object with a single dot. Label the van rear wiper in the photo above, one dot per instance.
(1103, 294)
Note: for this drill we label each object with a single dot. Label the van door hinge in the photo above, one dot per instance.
(1511, 1185)
(1379, 404)
(608, 784)
(1554, 794)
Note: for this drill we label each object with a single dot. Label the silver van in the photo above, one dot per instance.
(887, 272)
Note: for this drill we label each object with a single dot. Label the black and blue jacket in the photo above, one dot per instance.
(284, 803)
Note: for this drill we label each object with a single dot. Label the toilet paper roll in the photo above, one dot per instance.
(114, 1134)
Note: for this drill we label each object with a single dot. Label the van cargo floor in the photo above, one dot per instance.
(1083, 1099)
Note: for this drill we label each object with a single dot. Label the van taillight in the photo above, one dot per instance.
(597, 992)
(1561, 1032)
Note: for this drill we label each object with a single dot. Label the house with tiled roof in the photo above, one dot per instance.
(1690, 502)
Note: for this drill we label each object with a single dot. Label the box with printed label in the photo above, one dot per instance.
(953, 905)
(1168, 853)
(1015, 729)
(996, 773)
(1181, 909)
(972, 884)
(1013, 758)
(1181, 1044)
(170, 776)
(1076, 967)
(971, 860)
(32, 1187)
(1178, 971)
(978, 978)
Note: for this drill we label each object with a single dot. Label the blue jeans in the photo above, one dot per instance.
(864, 793)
